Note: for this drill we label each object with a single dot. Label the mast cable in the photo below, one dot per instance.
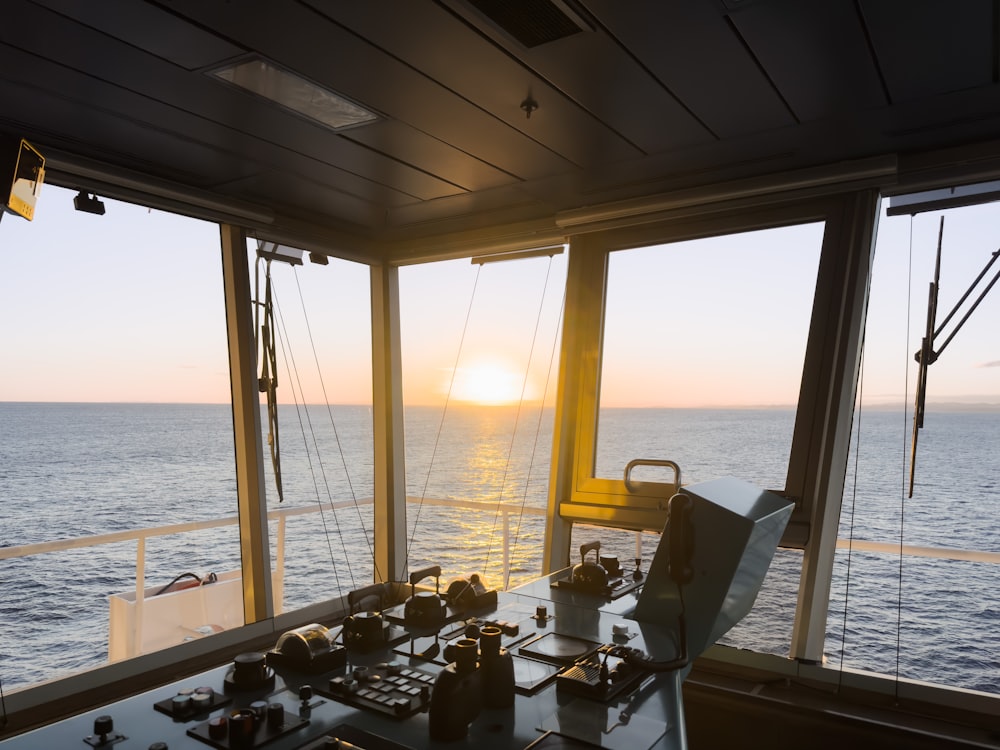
(293, 370)
(854, 504)
(517, 419)
(534, 446)
(902, 497)
(444, 412)
(333, 424)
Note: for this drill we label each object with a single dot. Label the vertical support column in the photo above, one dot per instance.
(820, 448)
(254, 549)
(387, 402)
(579, 384)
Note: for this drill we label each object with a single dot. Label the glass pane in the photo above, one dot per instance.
(917, 616)
(632, 549)
(767, 628)
(480, 349)
(321, 532)
(115, 406)
(703, 349)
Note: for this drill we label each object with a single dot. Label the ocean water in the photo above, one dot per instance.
(71, 470)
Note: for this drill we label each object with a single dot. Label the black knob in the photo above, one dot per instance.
(218, 728)
(249, 669)
(103, 725)
(275, 715)
(305, 693)
(242, 726)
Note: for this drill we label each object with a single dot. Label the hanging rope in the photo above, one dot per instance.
(854, 503)
(292, 368)
(902, 488)
(534, 446)
(517, 418)
(444, 412)
(336, 434)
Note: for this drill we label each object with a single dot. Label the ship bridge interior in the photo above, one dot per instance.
(392, 133)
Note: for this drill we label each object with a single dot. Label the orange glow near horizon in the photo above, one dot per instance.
(488, 384)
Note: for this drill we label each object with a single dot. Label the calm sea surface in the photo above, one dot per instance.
(71, 470)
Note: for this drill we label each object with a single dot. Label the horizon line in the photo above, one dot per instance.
(956, 403)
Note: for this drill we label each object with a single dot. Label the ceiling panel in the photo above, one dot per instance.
(815, 53)
(922, 51)
(479, 72)
(693, 51)
(656, 96)
(426, 153)
(332, 56)
(149, 28)
(211, 111)
(595, 104)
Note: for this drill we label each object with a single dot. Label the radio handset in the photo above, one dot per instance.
(681, 538)
(680, 568)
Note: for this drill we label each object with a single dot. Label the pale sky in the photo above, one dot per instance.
(75, 286)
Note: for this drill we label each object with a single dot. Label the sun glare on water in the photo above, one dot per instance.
(487, 384)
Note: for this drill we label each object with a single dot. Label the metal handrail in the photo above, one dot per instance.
(281, 515)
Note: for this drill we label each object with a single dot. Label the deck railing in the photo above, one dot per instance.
(503, 512)
(281, 515)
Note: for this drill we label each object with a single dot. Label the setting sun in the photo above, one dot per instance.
(488, 384)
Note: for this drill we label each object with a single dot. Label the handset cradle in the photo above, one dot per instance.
(425, 609)
(365, 630)
(590, 575)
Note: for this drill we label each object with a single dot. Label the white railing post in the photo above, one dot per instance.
(280, 566)
(134, 641)
(506, 549)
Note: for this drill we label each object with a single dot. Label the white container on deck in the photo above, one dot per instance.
(156, 622)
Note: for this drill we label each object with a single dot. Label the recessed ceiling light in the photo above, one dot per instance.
(297, 94)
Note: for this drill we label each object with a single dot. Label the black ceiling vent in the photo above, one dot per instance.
(532, 22)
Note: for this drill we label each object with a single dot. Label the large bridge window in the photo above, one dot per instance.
(318, 445)
(702, 358)
(479, 376)
(118, 476)
(915, 576)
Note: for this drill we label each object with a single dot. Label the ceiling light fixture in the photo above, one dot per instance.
(293, 92)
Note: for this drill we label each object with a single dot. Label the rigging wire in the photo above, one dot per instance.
(902, 488)
(444, 412)
(517, 419)
(333, 425)
(534, 446)
(292, 368)
(854, 505)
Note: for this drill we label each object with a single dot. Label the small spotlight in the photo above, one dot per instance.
(88, 203)
(319, 258)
